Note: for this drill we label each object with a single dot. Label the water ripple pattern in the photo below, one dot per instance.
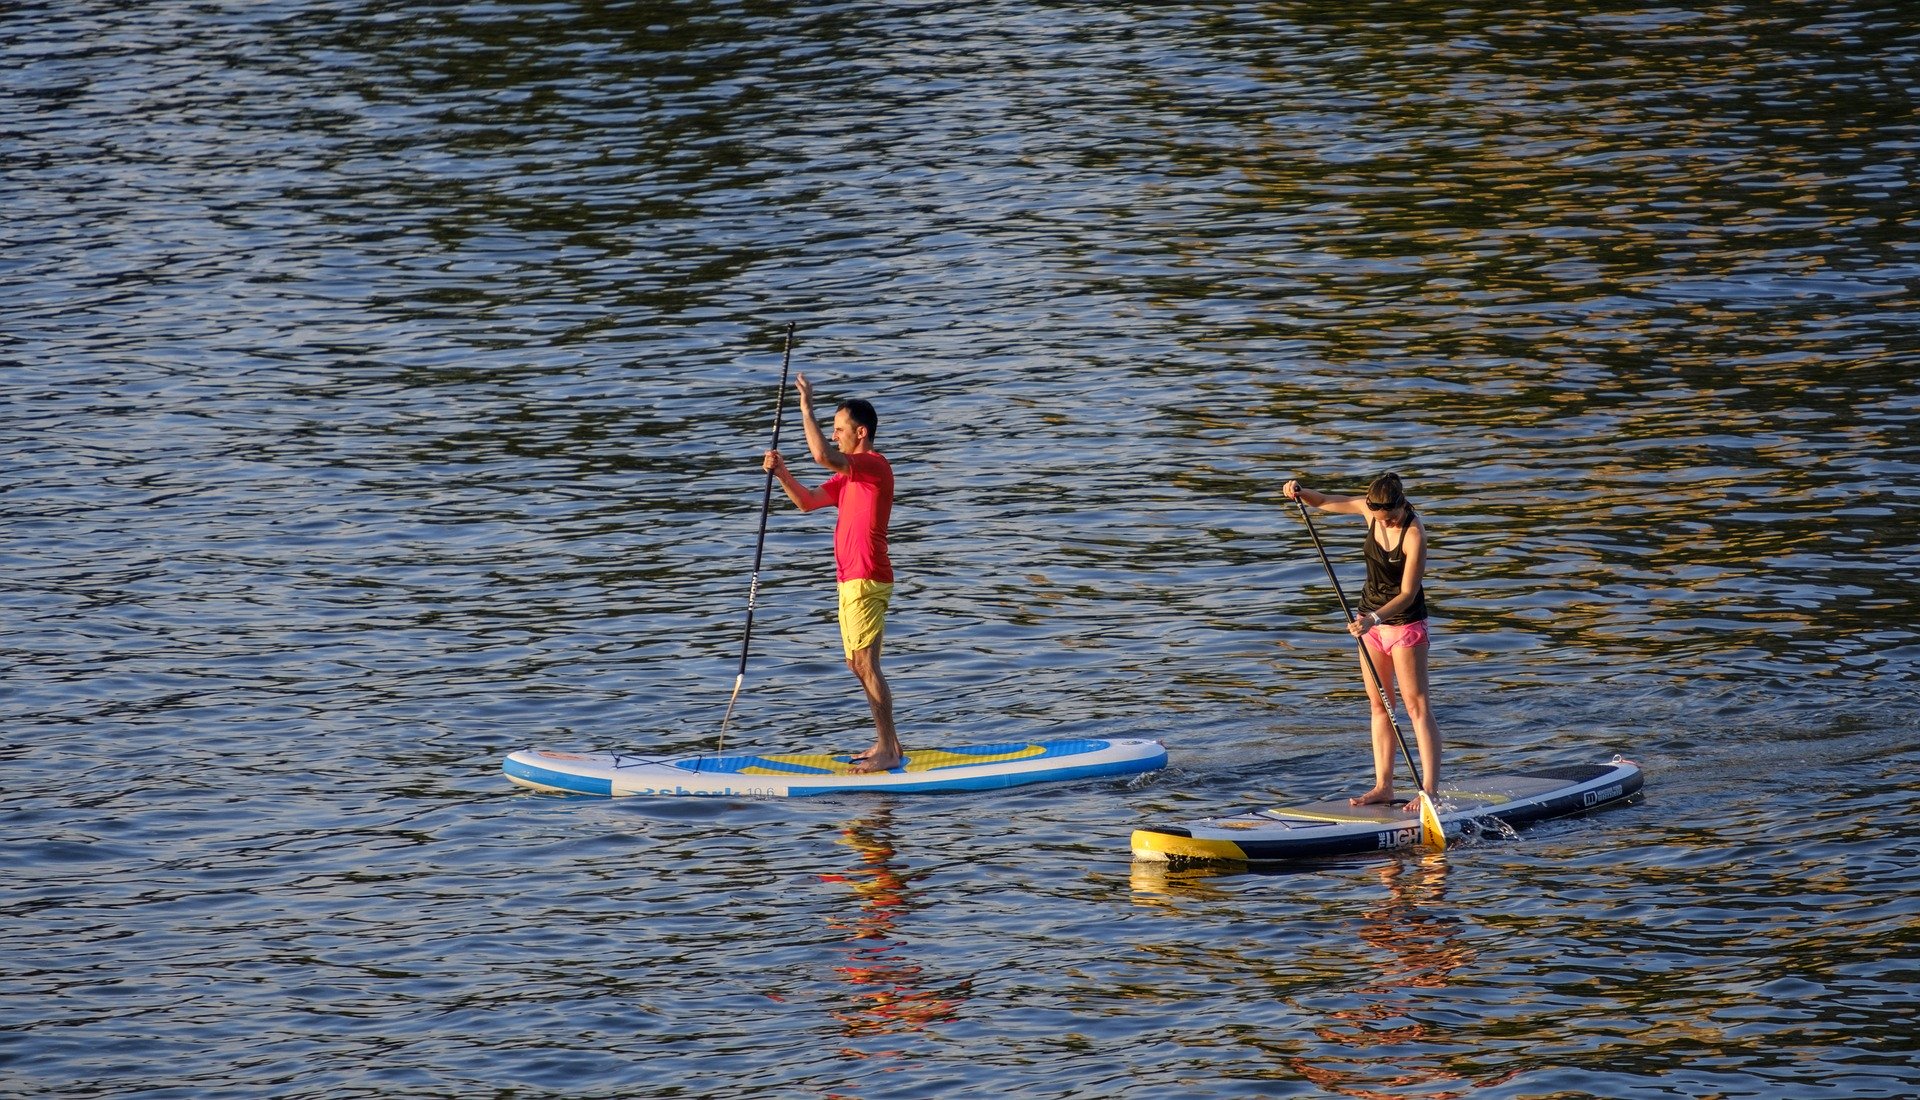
(383, 386)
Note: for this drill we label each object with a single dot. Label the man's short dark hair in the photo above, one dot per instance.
(861, 412)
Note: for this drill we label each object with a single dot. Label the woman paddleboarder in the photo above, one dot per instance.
(1391, 625)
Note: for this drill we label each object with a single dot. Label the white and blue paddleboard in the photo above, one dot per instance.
(1333, 828)
(790, 775)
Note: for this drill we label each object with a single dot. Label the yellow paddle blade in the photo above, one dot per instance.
(1430, 823)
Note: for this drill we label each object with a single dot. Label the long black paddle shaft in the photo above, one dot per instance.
(1418, 779)
(760, 544)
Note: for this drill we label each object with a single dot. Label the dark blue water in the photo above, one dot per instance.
(382, 389)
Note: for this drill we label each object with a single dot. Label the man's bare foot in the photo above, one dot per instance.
(874, 761)
(1374, 797)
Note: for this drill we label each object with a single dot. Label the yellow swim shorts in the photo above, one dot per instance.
(863, 613)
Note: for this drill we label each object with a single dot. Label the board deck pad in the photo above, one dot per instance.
(797, 763)
(785, 775)
(1333, 827)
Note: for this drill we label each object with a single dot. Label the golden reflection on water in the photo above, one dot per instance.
(418, 341)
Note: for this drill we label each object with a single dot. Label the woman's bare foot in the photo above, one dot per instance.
(1374, 797)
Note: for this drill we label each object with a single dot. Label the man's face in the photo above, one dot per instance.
(843, 432)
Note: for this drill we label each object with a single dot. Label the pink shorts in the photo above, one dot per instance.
(1386, 638)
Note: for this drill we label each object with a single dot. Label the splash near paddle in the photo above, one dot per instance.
(792, 775)
(1335, 828)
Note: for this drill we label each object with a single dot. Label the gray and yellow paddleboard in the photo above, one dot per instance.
(1333, 828)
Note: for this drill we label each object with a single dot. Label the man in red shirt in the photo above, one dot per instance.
(862, 489)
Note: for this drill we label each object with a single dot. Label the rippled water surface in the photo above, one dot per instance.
(383, 391)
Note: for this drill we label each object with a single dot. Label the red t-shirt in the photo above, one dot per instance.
(864, 494)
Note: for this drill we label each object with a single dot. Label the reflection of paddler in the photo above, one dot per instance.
(882, 889)
(891, 998)
(1412, 926)
(1424, 946)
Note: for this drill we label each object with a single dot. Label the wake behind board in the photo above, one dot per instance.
(790, 775)
(1333, 828)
